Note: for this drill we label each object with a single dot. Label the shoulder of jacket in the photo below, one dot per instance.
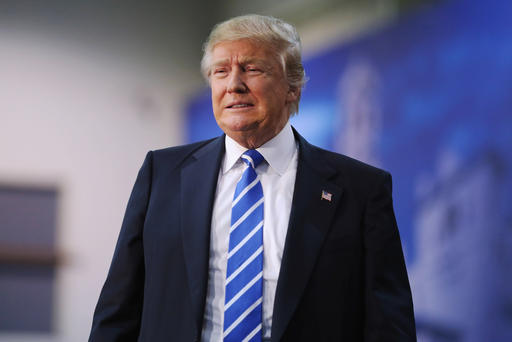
(176, 155)
(348, 165)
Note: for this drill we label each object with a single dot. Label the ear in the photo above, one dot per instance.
(293, 94)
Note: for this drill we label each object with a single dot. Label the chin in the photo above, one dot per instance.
(239, 125)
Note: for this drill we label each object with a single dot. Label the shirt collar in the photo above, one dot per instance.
(278, 151)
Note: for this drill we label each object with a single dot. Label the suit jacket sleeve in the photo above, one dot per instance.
(118, 312)
(388, 303)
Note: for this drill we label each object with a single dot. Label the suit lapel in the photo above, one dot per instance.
(310, 219)
(198, 185)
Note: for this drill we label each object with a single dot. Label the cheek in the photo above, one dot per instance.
(216, 98)
(217, 88)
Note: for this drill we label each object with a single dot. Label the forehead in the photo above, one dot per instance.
(243, 51)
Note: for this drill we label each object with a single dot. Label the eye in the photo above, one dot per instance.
(219, 72)
(253, 69)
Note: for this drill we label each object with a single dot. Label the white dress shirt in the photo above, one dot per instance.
(277, 176)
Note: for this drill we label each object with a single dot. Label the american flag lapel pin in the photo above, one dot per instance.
(326, 196)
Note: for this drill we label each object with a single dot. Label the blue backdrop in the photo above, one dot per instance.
(428, 98)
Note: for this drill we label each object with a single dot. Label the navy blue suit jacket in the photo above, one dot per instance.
(342, 276)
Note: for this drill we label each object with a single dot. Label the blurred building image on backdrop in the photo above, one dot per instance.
(419, 88)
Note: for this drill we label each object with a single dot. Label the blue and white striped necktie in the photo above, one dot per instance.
(244, 277)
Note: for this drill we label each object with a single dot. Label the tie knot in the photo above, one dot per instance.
(252, 158)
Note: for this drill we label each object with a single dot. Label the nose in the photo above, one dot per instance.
(235, 82)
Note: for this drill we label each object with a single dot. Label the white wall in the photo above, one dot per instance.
(81, 120)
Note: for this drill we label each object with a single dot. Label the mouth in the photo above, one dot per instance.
(237, 105)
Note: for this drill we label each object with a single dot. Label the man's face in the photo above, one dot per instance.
(250, 95)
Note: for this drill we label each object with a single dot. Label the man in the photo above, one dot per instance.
(256, 235)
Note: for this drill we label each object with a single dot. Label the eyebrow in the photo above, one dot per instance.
(251, 60)
(219, 62)
(242, 61)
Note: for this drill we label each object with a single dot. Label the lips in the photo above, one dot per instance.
(236, 105)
